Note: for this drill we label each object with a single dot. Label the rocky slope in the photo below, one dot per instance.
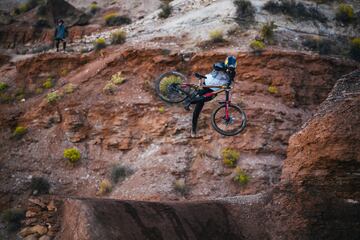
(322, 198)
(299, 148)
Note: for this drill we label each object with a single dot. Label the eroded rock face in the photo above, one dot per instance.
(319, 193)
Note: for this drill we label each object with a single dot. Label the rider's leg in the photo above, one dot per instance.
(196, 97)
(64, 44)
(198, 107)
(57, 44)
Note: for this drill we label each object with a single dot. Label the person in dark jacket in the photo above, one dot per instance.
(61, 34)
(223, 74)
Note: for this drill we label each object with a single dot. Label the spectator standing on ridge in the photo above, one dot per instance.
(61, 34)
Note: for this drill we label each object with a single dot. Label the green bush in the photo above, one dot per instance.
(104, 187)
(73, 155)
(294, 9)
(69, 88)
(53, 97)
(257, 45)
(318, 44)
(117, 78)
(230, 157)
(180, 187)
(19, 131)
(39, 90)
(240, 176)
(3, 86)
(39, 185)
(355, 49)
(244, 11)
(345, 13)
(27, 6)
(166, 10)
(267, 31)
(12, 217)
(99, 44)
(5, 98)
(216, 36)
(119, 173)
(161, 110)
(166, 82)
(272, 90)
(94, 8)
(113, 19)
(48, 83)
(109, 88)
(118, 37)
(41, 11)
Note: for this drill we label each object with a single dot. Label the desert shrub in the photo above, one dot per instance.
(267, 31)
(166, 82)
(355, 49)
(99, 44)
(64, 72)
(119, 173)
(39, 91)
(104, 187)
(94, 7)
(27, 6)
(113, 19)
(257, 45)
(166, 10)
(39, 185)
(244, 10)
(180, 187)
(345, 13)
(109, 88)
(42, 23)
(69, 88)
(272, 90)
(216, 36)
(3, 86)
(73, 155)
(41, 11)
(230, 156)
(161, 110)
(6, 98)
(240, 176)
(48, 83)
(53, 97)
(19, 131)
(12, 217)
(118, 37)
(323, 46)
(117, 78)
(294, 9)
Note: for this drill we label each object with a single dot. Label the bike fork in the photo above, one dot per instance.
(227, 102)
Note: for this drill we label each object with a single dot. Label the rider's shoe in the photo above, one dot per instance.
(193, 134)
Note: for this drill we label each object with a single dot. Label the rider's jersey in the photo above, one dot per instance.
(219, 78)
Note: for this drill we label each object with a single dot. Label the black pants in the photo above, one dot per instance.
(199, 99)
(58, 44)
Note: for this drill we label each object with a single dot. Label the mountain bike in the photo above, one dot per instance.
(227, 119)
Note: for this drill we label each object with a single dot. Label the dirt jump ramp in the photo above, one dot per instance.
(113, 219)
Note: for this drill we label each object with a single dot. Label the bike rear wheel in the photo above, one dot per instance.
(168, 87)
(231, 126)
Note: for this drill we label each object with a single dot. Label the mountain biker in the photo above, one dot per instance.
(61, 34)
(223, 74)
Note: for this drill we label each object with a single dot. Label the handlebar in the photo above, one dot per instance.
(198, 75)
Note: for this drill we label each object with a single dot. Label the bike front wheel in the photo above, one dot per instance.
(168, 87)
(229, 124)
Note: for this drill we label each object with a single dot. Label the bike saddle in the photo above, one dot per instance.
(198, 75)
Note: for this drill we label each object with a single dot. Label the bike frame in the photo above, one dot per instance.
(211, 94)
